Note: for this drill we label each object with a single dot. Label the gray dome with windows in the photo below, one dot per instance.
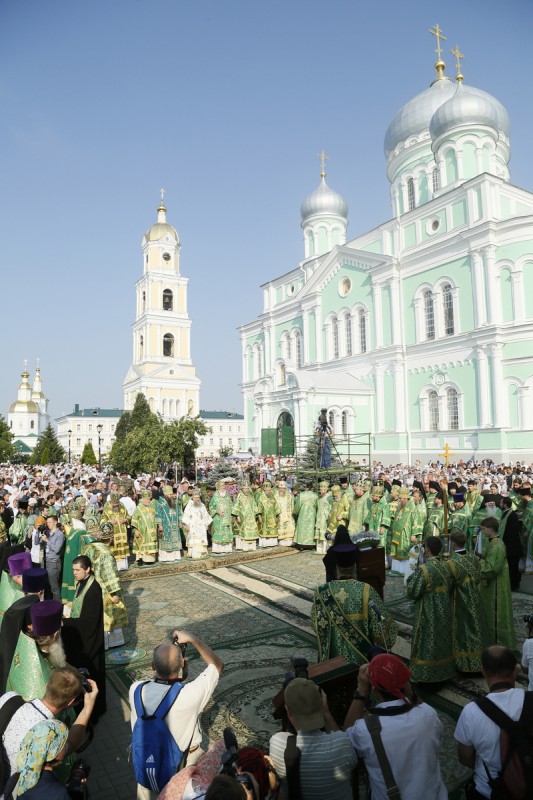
(323, 201)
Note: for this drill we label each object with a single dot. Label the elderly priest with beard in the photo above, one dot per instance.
(30, 646)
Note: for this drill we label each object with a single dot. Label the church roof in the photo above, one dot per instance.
(95, 412)
(220, 415)
(23, 407)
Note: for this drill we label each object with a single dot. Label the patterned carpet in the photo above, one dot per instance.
(256, 615)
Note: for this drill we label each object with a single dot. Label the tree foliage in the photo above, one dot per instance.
(7, 448)
(88, 455)
(145, 442)
(48, 450)
(222, 469)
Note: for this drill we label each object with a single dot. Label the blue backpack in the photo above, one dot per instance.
(155, 754)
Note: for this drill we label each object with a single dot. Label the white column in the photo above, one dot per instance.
(424, 413)
(459, 157)
(380, 404)
(494, 316)
(419, 323)
(429, 181)
(399, 397)
(443, 415)
(268, 359)
(305, 341)
(377, 315)
(438, 314)
(483, 388)
(518, 295)
(318, 334)
(498, 393)
(479, 160)
(479, 289)
(396, 310)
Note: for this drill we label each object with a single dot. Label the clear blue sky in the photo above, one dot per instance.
(225, 104)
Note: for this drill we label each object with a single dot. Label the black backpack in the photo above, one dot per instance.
(7, 712)
(515, 778)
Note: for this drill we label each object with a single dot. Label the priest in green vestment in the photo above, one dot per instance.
(269, 511)
(220, 509)
(496, 587)
(73, 545)
(469, 624)
(115, 512)
(305, 507)
(339, 510)
(145, 544)
(527, 524)
(286, 525)
(348, 616)
(11, 582)
(461, 515)
(406, 531)
(98, 549)
(434, 525)
(378, 516)
(322, 516)
(168, 518)
(245, 512)
(430, 587)
(358, 508)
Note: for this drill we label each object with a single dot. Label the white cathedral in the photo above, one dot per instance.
(419, 331)
(28, 416)
(161, 367)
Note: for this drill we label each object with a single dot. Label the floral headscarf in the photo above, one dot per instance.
(42, 744)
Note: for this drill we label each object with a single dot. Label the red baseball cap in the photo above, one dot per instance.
(389, 673)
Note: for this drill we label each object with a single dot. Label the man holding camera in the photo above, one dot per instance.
(183, 719)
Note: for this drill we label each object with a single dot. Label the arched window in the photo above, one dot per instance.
(410, 194)
(452, 403)
(362, 330)
(298, 348)
(348, 330)
(344, 423)
(331, 419)
(288, 348)
(436, 180)
(141, 344)
(168, 300)
(32, 424)
(257, 361)
(447, 302)
(144, 301)
(433, 410)
(429, 314)
(282, 375)
(168, 344)
(335, 336)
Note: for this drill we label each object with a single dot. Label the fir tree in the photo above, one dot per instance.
(7, 449)
(222, 469)
(88, 456)
(48, 450)
(123, 426)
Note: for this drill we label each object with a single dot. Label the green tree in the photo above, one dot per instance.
(141, 412)
(123, 426)
(224, 451)
(222, 469)
(7, 448)
(88, 456)
(178, 442)
(48, 450)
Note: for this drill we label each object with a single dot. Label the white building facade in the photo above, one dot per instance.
(420, 331)
(83, 425)
(161, 367)
(226, 430)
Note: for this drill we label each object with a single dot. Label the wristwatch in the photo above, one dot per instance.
(358, 696)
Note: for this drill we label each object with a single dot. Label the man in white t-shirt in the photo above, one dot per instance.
(183, 719)
(478, 736)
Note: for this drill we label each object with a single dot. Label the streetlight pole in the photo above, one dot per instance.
(99, 429)
(69, 435)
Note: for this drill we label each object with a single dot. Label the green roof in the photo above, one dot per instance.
(95, 412)
(22, 447)
(220, 415)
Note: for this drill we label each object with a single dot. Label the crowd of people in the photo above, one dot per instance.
(460, 536)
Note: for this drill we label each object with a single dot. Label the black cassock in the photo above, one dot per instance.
(83, 640)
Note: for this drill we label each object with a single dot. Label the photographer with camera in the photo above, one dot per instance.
(63, 690)
(159, 751)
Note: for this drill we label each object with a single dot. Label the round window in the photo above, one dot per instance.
(344, 287)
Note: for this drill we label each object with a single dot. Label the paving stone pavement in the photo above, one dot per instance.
(111, 776)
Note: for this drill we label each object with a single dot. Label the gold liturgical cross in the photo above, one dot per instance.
(447, 454)
(458, 56)
(162, 196)
(436, 31)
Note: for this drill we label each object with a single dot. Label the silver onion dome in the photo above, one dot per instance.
(469, 106)
(414, 117)
(324, 200)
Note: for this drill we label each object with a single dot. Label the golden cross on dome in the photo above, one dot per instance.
(25, 365)
(323, 158)
(458, 56)
(436, 31)
(162, 196)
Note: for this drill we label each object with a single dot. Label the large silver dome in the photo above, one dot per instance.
(415, 116)
(469, 106)
(324, 200)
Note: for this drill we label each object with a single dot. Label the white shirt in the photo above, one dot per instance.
(22, 720)
(183, 718)
(527, 660)
(476, 730)
(128, 504)
(412, 744)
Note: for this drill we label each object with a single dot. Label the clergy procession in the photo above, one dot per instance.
(458, 538)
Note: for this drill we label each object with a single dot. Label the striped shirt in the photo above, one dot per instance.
(326, 764)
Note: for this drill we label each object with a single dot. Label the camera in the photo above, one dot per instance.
(299, 669)
(528, 619)
(182, 647)
(185, 665)
(85, 674)
(42, 528)
(76, 784)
